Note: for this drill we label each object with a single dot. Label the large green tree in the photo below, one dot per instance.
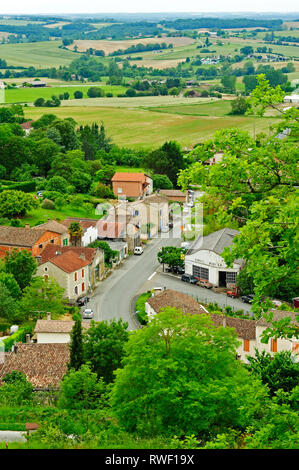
(180, 376)
(21, 265)
(15, 203)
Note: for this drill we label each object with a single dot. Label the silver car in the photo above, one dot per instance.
(87, 314)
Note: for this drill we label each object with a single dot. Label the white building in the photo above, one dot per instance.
(204, 261)
(55, 331)
(291, 99)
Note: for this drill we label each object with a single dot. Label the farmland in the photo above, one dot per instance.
(151, 127)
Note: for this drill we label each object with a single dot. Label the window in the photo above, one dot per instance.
(46, 269)
(82, 272)
(75, 276)
(273, 345)
(119, 190)
(136, 213)
(40, 246)
(83, 287)
(52, 241)
(64, 242)
(231, 277)
(76, 290)
(246, 345)
(202, 273)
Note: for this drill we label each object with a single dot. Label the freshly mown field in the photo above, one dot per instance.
(147, 128)
(29, 95)
(36, 54)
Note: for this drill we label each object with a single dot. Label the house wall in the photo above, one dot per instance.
(45, 239)
(210, 260)
(282, 344)
(89, 236)
(128, 188)
(52, 338)
(240, 349)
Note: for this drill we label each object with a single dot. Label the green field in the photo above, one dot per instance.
(29, 95)
(147, 128)
(36, 54)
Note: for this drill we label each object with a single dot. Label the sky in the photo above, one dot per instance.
(149, 6)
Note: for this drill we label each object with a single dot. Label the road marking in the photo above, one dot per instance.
(152, 276)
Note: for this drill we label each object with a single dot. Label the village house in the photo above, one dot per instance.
(120, 247)
(281, 344)
(43, 364)
(76, 269)
(131, 185)
(150, 214)
(33, 240)
(89, 226)
(249, 332)
(175, 195)
(204, 261)
(27, 126)
(55, 331)
(115, 227)
(54, 226)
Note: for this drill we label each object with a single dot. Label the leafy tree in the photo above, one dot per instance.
(81, 389)
(42, 296)
(103, 345)
(6, 115)
(105, 174)
(7, 280)
(172, 256)
(78, 95)
(75, 231)
(16, 390)
(39, 102)
(277, 372)
(162, 182)
(66, 129)
(16, 203)
(21, 265)
(180, 376)
(95, 92)
(76, 346)
(166, 160)
(239, 106)
(57, 183)
(229, 83)
(108, 252)
(8, 304)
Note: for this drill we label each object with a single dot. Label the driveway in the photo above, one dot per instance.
(113, 297)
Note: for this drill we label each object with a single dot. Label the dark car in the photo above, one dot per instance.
(178, 270)
(168, 269)
(82, 301)
(248, 299)
(189, 278)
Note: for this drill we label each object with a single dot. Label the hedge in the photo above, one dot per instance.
(26, 186)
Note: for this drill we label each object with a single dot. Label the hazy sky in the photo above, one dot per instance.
(150, 6)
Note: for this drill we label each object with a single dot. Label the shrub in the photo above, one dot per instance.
(48, 204)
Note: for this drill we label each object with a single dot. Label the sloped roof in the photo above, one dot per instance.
(215, 241)
(85, 223)
(279, 315)
(172, 298)
(154, 199)
(20, 236)
(128, 177)
(50, 251)
(53, 226)
(69, 261)
(43, 364)
(173, 192)
(57, 326)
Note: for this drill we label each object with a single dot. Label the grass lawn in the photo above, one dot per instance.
(129, 169)
(42, 215)
(143, 128)
(29, 95)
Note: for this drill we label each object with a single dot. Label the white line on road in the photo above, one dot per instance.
(152, 276)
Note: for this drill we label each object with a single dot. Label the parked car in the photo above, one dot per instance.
(138, 250)
(247, 298)
(178, 270)
(204, 283)
(232, 293)
(168, 269)
(83, 301)
(189, 278)
(87, 314)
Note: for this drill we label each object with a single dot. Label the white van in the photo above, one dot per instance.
(138, 250)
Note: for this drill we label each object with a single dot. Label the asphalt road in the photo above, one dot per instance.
(113, 298)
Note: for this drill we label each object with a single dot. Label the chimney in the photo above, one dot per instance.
(27, 339)
(82, 256)
(48, 316)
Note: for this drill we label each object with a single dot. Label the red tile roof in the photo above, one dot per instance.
(119, 176)
(69, 261)
(20, 236)
(50, 251)
(85, 223)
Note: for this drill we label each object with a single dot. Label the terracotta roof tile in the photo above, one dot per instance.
(50, 251)
(53, 226)
(69, 261)
(43, 364)
(172, 298)
(278, 315)
(57, 326)
(20, 236)
(119, 176)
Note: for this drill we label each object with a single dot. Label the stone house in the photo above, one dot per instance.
(55, 331)
(89, 226)
(76, 269)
